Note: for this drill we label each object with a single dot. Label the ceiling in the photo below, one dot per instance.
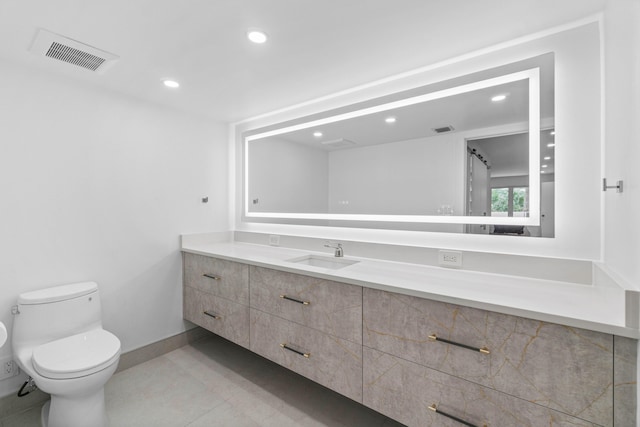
(315, 47)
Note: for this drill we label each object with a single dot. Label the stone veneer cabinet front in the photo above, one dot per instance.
(419, 361)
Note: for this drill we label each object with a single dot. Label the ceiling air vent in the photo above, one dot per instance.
(443, 129)
(71, 51)
(338, 143)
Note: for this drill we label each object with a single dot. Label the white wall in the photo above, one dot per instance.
(97, 186)
(622, 136)
(287, 177)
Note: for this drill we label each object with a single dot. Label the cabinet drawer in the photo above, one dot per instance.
(331, 307)
(563, 368)
(223, 278)
(404, 391)
(219, 315)
(327, 360)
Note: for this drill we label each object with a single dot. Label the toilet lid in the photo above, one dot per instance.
(76, 356)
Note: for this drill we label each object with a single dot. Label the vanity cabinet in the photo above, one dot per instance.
(330, 307)
(565, 369)
(309, 325)
(419, 361)
(216, 296)
(416, 395)
(334, 362)
(222, 278)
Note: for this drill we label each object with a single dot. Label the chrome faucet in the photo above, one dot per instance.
(339, 252)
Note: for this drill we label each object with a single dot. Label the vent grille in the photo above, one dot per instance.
(443, 129)
(74, 56)
(55, 46)
(338, 143)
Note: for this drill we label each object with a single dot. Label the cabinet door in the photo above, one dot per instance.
(331, 307)
(333, 362)
(564, 368)
(218, 315)
(405, 391)
(223, 278)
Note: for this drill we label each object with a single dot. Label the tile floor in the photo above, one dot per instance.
(213, 383)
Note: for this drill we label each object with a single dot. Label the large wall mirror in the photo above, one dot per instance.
(473, 154)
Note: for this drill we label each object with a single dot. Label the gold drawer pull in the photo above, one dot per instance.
(434, 408)
(295, 300)
(301, 353)
(483, 350)
(212, 276)
(215, 316)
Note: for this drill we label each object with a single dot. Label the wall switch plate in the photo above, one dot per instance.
(451, 259)
(9, 368)
(274, 240)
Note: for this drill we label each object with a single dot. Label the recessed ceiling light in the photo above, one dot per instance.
(547, 158)
(390, 119)
(499, 98)
(551, 145)
(171, 83)
(257, 36)
(317, 134)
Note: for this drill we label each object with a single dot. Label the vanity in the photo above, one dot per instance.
(423, 345)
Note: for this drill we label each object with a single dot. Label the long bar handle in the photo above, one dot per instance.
(483, 350)
(435, 409)
(301, 353)
(212, 276)
(215, 316)
(295, 300)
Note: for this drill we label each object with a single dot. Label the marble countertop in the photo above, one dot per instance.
(595, 307)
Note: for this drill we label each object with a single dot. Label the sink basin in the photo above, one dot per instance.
(333, 263)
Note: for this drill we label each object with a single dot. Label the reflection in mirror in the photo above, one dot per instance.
(498, 182)
(409, 163)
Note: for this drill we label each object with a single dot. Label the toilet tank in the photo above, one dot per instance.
(52, 313)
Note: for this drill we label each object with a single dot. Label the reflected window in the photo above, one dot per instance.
(509, 201)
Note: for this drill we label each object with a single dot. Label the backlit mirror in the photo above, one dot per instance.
(472, 155)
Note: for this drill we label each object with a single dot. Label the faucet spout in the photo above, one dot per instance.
(338, 249)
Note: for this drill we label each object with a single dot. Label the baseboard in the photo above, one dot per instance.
(12, 404)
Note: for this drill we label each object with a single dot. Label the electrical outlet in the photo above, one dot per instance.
(274, 240)
(451, 259)
(9, 368)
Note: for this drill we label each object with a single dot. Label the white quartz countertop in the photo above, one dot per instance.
(594, 307)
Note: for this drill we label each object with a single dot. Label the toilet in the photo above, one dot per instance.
(58, 341)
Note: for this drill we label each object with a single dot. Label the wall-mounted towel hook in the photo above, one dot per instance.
(606, 187)
(205, 199)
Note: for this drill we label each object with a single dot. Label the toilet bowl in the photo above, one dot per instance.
(58, 341)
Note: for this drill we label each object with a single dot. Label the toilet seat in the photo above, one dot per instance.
(76, 356)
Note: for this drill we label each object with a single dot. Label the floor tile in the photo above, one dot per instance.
(156, 393)
(214, 383)
(28, 418)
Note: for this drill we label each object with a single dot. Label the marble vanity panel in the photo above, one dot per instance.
(404, 391)
(232, 282)
(625, 380)
(233, 318)
(333, 362)
(334, 308)
(563, 368)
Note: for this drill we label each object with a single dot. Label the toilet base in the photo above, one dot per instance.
(44, 414)
(84, 411)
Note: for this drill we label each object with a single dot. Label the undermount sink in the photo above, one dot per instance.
(333, 263)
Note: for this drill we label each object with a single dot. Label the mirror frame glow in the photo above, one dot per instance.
(533, 77)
